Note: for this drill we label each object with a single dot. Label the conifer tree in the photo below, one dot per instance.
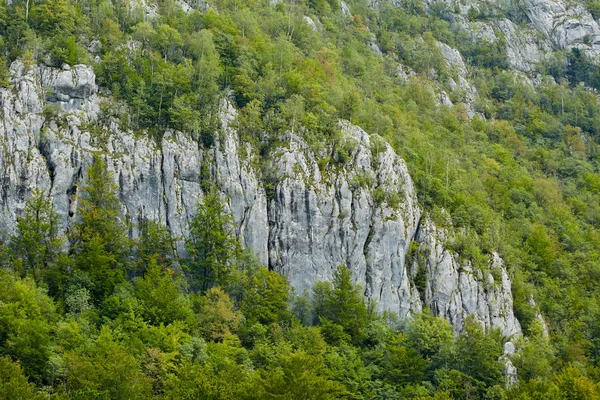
(37, 242)
(100, 245)
(342, 303)
(213, 248)
(155, 245)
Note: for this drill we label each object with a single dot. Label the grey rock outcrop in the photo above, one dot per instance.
(510, 371)
(358, 209)
(455, 289)
(458, 83)
(320, 221)
(565, 23)
(537, 27)
(311, 23)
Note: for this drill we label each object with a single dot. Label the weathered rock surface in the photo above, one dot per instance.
(319, 221)
(360, 209)
(565, 23)
(455, 289)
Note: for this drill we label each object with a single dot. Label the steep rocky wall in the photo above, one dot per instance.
(455, 289)
(360, 209)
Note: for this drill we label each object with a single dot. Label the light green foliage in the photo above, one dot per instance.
(536, 356)
(105, 370)
(27, 316)
(13, 384)
(299, 376)
(160, 296)
(433, 338)
(348, 368)
(4, 73)
(265, 297)
(216, 317)
(575, 385)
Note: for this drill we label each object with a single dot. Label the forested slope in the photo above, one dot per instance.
(147, 145)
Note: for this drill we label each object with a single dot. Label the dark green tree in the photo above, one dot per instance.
(37, 243)
(100, 246)
(156, 245)
(214, 250)
(343, 304)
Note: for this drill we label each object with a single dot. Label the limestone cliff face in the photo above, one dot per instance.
(455, 289)
(360, 210)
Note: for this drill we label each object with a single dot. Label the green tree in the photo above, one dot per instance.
(343, 304)
(27, 318)
(36, 245)
(265, 297)
(575, 385)
(432, 337)
(99, 242)
(161, 297)
(156, 245)
(536, 355)
(213, 248)
(168, 40)
(105, 370)
(400, 363)
(215, 314)
(299, 376)
(478, 353)
(13, 384)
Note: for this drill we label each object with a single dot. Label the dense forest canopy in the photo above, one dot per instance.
(113, 317)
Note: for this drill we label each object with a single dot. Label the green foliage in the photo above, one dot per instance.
(214, 250)
(433, 338)
(478, 354)
(299, 376)
(37, 243)
(155, 245)
(105, 370)
(342, 303)
(581, 69)
(265, 297)
(27, 315)
(13, 384)
(216, 317)
(593, 7)
(4, 73)
(160, 296)
(523, 181)
(98, 241)
(536, 356)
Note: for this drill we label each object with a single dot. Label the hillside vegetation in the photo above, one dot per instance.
(113, 318)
